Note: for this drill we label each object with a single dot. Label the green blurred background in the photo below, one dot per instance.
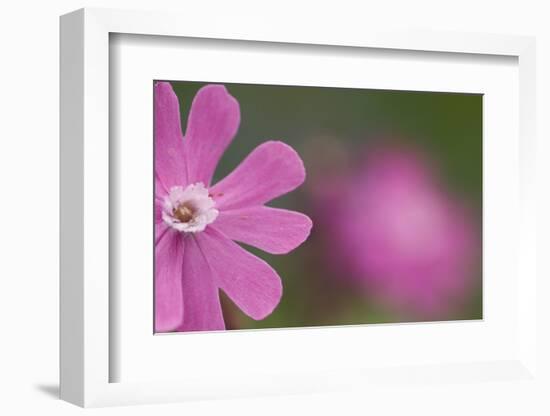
(446, 126)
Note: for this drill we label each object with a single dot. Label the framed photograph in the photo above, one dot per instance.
(279, 213)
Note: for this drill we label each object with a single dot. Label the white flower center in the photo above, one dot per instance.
(189, 210)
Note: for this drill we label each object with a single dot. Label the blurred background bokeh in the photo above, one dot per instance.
(394, 189)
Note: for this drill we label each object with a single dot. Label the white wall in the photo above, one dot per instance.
(29, 175)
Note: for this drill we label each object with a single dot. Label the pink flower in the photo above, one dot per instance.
(392, 228)
(197, 224)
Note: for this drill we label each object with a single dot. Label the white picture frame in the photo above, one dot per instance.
(87, 357)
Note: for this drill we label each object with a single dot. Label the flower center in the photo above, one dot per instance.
(189, 209)
(183, 213)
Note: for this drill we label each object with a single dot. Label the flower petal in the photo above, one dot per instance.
(213, 122)
(201, 299)
(160, 226)
(169, 150)
(271, 170)
(274, 230)
(249, 281)
(160, 229)
(160, 189)
(158, 212)
(168, 291)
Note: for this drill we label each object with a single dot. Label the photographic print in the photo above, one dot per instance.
(293, 206)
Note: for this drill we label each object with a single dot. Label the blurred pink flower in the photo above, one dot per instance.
(391, 228)
(196, 223)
